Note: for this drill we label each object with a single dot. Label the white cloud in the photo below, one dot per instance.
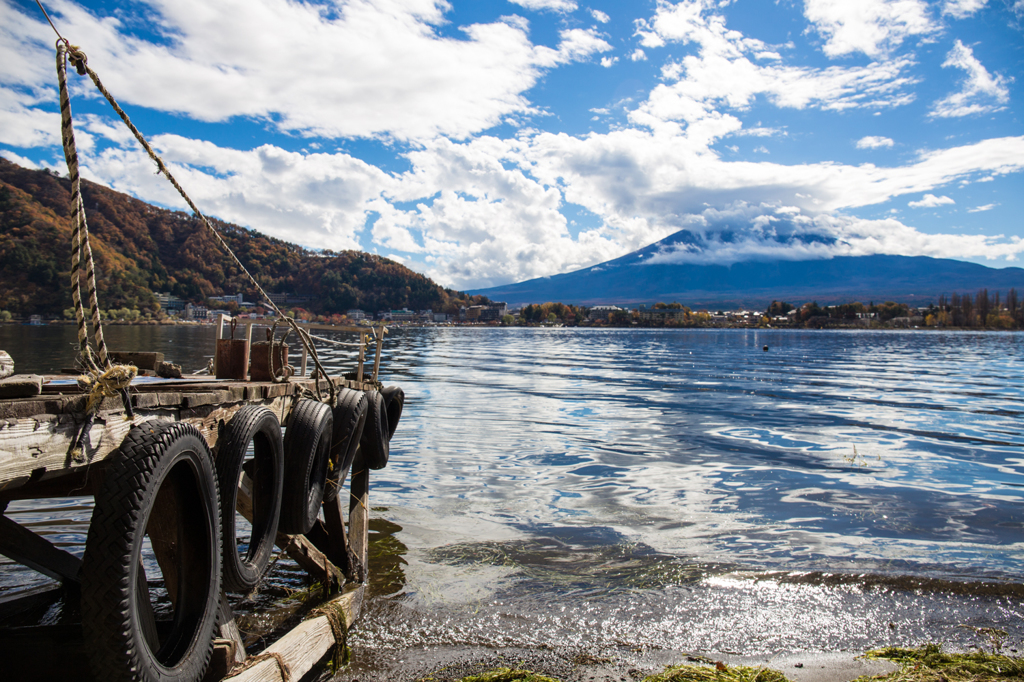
(18, 159)
(22, 125)
(930, 201)
(608, 62)
(874, 142)
(642, 184)
(872, 27)
(577, 44)
(600, 16)
(554, 5)
(765, 232)
(317, 200)
(638, 55)
(377, 68)
(980, 91)
(960, 9)
(979, 209)
(724, 75)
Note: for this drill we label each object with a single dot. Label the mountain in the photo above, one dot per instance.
(140, 250)
(670, 270)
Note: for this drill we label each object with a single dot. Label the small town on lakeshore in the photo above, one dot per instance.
(982, 310)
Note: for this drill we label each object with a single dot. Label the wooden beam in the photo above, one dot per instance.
(27, 548)
(15, 602)
(299, 548)
(305, 646)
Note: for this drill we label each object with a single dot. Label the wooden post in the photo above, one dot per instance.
(220, 335)
(304, 354)
(362, 357)
(380, 344)
(359, 513)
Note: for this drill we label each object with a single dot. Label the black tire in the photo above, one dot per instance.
(259, 426)
(349, 420)
(307, 449)
(374, 442)
(394, 401)
(165, 467)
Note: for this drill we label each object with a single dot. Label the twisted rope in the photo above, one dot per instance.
(80, 248)
(79, 59)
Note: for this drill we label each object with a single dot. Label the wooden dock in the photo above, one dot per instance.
(49, 447)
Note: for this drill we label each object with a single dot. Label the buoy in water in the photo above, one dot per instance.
(765, 349)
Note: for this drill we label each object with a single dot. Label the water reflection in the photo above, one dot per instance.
(651, 486)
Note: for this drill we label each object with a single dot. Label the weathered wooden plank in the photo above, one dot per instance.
(305, 646)
(30, 407)
(29, 549)
(38, 447)
(36, 434)
(20, 386)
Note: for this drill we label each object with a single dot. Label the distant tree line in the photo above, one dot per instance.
(983, 310)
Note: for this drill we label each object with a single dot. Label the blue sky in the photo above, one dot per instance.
(484, 142)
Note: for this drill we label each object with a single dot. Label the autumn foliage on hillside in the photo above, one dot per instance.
(140, 250)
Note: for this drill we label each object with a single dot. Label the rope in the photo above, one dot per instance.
(79, 59)
(286, 672)
(80, 247)
(335, 615)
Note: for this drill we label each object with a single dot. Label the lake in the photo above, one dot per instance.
(674, 489)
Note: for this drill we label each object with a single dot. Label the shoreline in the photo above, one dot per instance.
(453, 663)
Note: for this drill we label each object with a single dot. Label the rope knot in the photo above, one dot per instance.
(78, 59)
(106, 384)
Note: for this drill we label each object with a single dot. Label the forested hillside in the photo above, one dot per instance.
(140, 250)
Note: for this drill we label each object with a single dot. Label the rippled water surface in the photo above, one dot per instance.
(687, 489)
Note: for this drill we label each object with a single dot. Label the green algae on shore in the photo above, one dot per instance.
(719, 673)
(928, 663)
(508, 675)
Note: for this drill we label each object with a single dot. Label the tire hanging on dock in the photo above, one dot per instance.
(257, 425)
(307, 449)
(160, 484)
(394, 401)
(349, 421)
(374, 442)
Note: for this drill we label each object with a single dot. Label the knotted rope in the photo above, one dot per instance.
(102, 379)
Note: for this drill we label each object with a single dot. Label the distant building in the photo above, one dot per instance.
(403, 315)
(355, 314)
(492, 312)
(661, 314)
(602, 312)
(169, 301)
(195, 312)
(236, 298)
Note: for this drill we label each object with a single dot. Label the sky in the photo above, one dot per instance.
(483, 142)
